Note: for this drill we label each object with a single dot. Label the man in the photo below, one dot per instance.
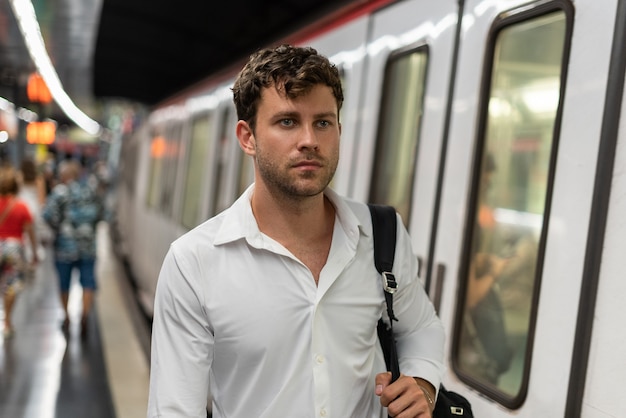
(277, 298)
(73, 211)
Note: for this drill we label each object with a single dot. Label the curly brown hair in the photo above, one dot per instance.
(295, 70)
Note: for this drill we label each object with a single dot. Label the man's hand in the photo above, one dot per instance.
(404, 398)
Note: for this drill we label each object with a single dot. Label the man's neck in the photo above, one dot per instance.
(286, 220)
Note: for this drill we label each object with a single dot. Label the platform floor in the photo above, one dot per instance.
(45, 373)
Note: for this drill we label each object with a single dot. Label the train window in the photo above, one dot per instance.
(222, 162)
(157, 153)
(515, 159)
(398, 131)
(170, 165)
(128, 166)
(194, 176)
(164, 150)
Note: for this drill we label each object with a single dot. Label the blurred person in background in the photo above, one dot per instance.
(16, 221)
(33, 187)
(48, 172)
(33, 192)
(73, 210)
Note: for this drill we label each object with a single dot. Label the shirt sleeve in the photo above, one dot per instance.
(419, 332)
(182, 344)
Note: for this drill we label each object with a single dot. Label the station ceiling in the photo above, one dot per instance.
(146, 50)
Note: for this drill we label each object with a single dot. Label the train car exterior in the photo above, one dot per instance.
(495, 129)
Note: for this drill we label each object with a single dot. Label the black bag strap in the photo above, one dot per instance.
(384, 224)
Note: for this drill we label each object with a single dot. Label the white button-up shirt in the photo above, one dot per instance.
(235, 308)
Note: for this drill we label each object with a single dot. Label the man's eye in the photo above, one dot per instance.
(287, 122)
(324, 124)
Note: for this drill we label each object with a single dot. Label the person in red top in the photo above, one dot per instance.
(15, 221)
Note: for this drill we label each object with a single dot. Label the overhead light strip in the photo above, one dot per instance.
(27, 21)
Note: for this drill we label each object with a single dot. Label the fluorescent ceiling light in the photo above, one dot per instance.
(27, 21)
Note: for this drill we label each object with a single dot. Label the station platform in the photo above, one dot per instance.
(46, 373)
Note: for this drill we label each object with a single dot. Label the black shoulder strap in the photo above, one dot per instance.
(384, 224)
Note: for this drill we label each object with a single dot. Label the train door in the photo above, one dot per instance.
(410, 52)
(515, 200)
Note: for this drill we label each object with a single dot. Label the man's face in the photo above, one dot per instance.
(296, 141)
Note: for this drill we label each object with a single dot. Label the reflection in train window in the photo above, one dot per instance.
(398, 133)
(194, 176)
(511, 197)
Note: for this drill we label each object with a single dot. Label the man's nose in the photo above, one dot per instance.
(308, 138)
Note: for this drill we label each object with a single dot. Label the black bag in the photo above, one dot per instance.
(449, 404)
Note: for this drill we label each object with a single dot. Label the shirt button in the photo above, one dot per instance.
(319, 359)
(323, 412)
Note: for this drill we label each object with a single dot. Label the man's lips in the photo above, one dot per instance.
(308, 164)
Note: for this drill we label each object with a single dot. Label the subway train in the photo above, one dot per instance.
(494, 128)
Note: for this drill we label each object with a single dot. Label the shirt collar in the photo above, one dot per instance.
(239, 221)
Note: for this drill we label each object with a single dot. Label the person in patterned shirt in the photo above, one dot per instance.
(73, 210)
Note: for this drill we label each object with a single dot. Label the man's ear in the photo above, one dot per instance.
(246, 137)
